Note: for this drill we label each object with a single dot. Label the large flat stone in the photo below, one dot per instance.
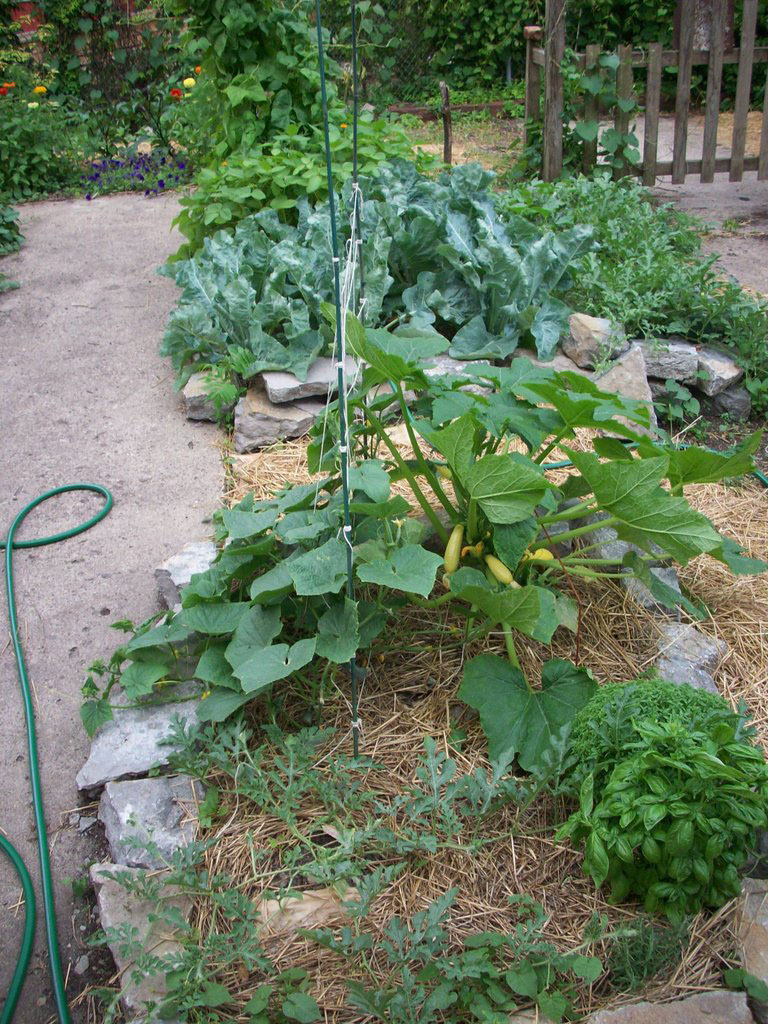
(133, 742)
(121, 909)
(688, 656)
(322, 380)
(259, 422)
(162, 811)
(197, 403)
(735, 402)
(177, 571)
(627, 377)
(706, 1008)
(559, 362)
(592, 340)
(717, 371)
(671, 359)
(753, 936)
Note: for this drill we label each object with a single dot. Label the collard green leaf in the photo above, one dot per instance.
(321, 571)
(647, 513)
(410, 568)
(475, 341)
(337, 632)
(518, 721)
(507, 487)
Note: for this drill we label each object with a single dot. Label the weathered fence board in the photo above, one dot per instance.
(714, 84)
(554, 32)
(652, 106)
(683, 93)
(743, 85)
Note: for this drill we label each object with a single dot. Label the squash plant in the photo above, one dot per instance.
(275, 601)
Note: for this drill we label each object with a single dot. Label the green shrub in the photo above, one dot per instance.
(647, 270)
(670, 797)
(10, 236)
(608, 725)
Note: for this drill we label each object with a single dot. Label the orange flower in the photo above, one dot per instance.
(40, 90)
(198, 69)
(9, 85)
(343, 124)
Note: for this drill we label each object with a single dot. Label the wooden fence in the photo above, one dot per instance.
(543, 68)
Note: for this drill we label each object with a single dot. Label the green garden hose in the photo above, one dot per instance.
(10, 544)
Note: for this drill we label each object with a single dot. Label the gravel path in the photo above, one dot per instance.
(84, 396)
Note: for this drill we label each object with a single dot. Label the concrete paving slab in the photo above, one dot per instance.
(84, 395)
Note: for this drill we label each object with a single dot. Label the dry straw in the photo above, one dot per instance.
(410, 693)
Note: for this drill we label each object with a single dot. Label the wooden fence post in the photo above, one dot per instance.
(762, 160)
(591, 113)
(554, 48)
(624, 80)
(652, 104)
(532, 36)
(743, 85)
(447, 125)
(714, 84)
(683, 97)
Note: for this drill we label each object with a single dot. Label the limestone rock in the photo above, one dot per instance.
(259, 422)
(197, 404)
(322, 379)
(688, 656)
(120, 909)
(706, 1008)
(592, 340)
(671, 358)
(315, 908)
(559, 362)
(133, 742)
(627, 377)
(718, 371)
(161, 810)
(446, 366)
(640, 593)
(734, 402)
(176, 572)
(753, 935)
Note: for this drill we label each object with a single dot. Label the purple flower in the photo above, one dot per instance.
(88, 196)
(181, 165)
(161, 183)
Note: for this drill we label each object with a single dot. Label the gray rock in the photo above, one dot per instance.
(734, 402)
(120, 909)
(671, 358)
(718, 371)
(627, 377)
(259, 422)
(687, 656)
(753, 936)
(176, 572)
(706, 1008)
(133, 742)
(640, 593)
(559, 362)
(592, 340)
(81, 965)
(85, 823)
(322, 379)
(446, 366)
(161, 810)
(197, 404)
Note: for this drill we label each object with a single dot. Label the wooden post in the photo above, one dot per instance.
(447, 126)
(743, 85)
(683, 98)
(652, 104)
(532, 36)
(762, 160)
(591, 113)
(623, 92)
(554, 48)
(714, 84)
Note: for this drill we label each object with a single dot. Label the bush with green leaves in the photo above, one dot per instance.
(647, 270)
(10, 241)
(280, 173)
(434, 253)
(272, 606)
(675, 819)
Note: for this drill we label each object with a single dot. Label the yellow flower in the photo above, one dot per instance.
(33, 105)
(40, 90)
(188, 83)
(343, 124)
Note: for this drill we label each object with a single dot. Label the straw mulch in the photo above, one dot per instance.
(409, 695)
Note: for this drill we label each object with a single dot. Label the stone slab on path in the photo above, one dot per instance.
(160, 811)
(177, 571)
(119, 908)
(259, 422)
(321, 381)
(753, 935)
(706, 1008)
(85, 395)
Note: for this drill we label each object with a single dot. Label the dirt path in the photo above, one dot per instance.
(84, 396)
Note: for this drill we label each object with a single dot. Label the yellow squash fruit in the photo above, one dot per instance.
(453, 548)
